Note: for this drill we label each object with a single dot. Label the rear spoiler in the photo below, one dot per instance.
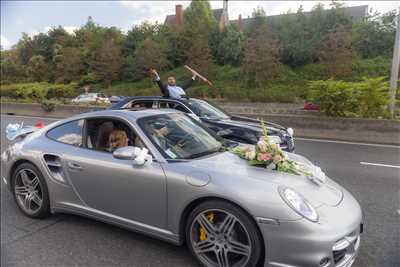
(15, 130)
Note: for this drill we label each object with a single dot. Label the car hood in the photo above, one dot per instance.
(328, 193)
(248, 123)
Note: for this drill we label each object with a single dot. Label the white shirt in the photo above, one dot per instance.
(175, 91)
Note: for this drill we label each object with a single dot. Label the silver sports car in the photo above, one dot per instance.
(161, 173)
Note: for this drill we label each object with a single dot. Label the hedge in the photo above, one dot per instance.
(38, 91)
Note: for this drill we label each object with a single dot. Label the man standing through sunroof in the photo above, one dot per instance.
(171, 89)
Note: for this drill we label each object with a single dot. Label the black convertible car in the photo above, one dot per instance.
(235, 128)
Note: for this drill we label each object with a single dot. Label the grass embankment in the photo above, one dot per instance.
(228, 83)
(290, 87)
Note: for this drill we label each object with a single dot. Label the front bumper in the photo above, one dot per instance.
(331, 242)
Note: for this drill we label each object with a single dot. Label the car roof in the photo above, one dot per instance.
(131, 98)
(129, 114)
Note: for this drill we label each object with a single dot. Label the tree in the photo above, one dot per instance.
(175, 43)
(199, 18)
(25, 49)
(107, 65)
(335, 51)
(301, 34)
(149, 53)
(60, 36)
(259, 20)
(375, 36)
(298, 42)
(227, 47)
(10, 68)
(69, 66)
(138, 34)
(199, 56)
(38, 68)
(261, 58)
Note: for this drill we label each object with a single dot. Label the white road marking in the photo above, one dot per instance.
(380, 165)
(345, 142)
(398, 211)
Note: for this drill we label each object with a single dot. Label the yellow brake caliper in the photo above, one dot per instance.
(203, 234)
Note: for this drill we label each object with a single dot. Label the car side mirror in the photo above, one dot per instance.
(140, 156)
(127, 152)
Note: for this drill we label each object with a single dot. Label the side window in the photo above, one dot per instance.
(173, 105)
(141, 104)
(69, 133)
(181, 108)
(108, 135)
(164, 104)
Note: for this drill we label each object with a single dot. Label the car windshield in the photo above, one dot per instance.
(205, 110)
(178, 137)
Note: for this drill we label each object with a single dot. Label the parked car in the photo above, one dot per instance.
(174, 181)
(236, 128)
(116, 98)
(91, 98)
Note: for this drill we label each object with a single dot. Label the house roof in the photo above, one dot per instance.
(170, 20)
(355, 12)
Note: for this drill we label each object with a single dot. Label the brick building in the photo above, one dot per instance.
(221, 15)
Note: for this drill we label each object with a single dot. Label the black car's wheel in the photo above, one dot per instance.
(221, 234)
(30, 191)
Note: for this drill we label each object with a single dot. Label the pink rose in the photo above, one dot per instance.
(263, 157)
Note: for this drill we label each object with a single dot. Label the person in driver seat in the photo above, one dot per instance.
(160, 133)
(117, 139)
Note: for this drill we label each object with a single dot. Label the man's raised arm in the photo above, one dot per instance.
(188, 83)
(163, 88)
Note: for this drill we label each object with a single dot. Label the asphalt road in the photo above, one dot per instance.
(67, 240)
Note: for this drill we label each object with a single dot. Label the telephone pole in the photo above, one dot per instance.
(395, 68)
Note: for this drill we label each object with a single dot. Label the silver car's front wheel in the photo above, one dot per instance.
(221, 234)
(30, 191)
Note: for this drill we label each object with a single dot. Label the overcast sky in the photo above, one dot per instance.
(38, 16)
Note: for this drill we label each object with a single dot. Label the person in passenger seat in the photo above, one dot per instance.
(117, 139)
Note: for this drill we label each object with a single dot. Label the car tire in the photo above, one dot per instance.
(209, 247)
(30, 191)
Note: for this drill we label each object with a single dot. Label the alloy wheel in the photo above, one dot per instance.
(220, 239)
(28, 191)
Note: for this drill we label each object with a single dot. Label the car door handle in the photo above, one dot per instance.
(74, 166)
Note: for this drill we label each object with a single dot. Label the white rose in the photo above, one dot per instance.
(250, 155)
(262, 146)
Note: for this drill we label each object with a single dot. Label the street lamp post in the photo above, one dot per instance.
(395, 68)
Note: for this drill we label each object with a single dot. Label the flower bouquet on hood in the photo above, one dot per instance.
(269, 155)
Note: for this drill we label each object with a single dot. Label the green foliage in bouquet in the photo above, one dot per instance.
(269, 155)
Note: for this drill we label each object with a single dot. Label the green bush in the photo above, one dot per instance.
(375, 67)
(48, 105)
(38, 91)
(313, 72)
(367, 98)
(89, 78)
(24, 90)
(61, 91)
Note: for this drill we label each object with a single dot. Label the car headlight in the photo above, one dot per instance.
(290, 131)
(299, 204)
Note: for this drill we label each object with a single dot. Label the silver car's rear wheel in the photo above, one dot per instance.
(30, 191)
(223, 237)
